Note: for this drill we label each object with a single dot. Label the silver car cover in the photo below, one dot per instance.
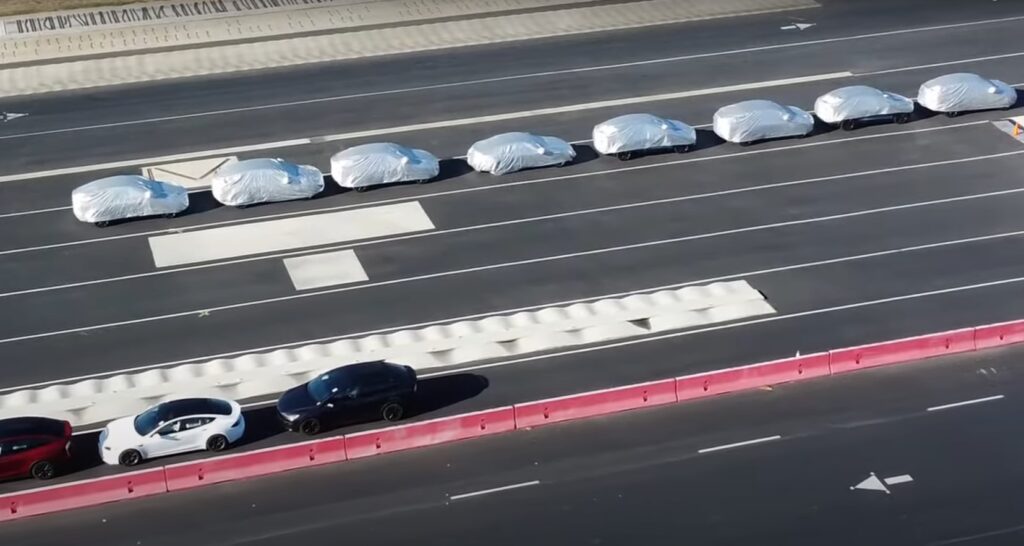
(126, 196)
(859, 101)
(510, 152)
(382, 163)
(760, 119)
(265, 180)
(962, 92)
(633, 132)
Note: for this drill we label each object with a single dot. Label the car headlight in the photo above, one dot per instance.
(289, 416)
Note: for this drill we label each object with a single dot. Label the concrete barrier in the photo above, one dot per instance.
(57, 498)
(590, 404)
(754, 376)
(997, 335)
(428, 433)
(902, 350)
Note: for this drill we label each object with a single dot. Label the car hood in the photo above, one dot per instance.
(120, 432)
(296, 400)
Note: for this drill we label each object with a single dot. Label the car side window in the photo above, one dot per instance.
(169, 428)
(13, 447)
(195, 422)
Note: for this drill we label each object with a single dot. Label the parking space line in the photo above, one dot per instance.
(739, 444)
(966, 403)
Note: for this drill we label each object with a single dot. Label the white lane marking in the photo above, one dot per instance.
(531, 75)
(29, 212)
(752, 322)
(506, 223)
(501, 185)
(740, 444)
(326, 269)
(895, 480)
(946, 63)
(288, 233)
(767, 271)
(495, 490)
(966, 402)
(505, 265)
(442, 124)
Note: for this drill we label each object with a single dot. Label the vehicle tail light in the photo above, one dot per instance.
(67, 447)
(238, 422)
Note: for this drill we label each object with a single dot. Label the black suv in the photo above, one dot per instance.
(353, 393)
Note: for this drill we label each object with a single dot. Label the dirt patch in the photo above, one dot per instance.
(20, 7)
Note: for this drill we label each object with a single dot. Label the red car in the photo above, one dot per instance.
(33, 446)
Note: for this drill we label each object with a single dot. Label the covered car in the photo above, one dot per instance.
(753, 120)
(126, 196)
(631, 133)
(847, 106)
(360, 167)
(265, 181)
(511, 152)
(964, 92)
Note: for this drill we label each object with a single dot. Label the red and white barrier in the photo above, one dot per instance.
(272, 460)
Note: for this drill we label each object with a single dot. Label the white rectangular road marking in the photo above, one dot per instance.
(326, 269)
(288, 233)
(898, 479)
(740, 444)
(190, 174)
(966, 402)
(495, 490)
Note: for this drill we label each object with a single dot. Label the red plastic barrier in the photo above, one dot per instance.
(255, 463)
(753, 376)
(997, 335)
(56, 498)
(427, 433)
(902, 350)
(589, 404)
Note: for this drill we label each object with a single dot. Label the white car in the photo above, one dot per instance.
(625, 136)
(175, 426)
(126, 196)
(749, 121)
(849, 106)
(964, 92)
(511, 152)
(256, 181)
(360, 167)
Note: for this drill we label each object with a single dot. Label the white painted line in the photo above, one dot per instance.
(966, 403)
(289, 233)
(895, 480)
(327, 269)
(504, 265)
(519, 221)
(531, 75)
(503, 185)
(495, 490)
(946, 63)
(29, 212)
(740, 444)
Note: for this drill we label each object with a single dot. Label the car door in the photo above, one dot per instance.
(8, 460)
(173, 437)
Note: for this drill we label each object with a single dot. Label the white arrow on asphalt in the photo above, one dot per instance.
(797, 26)
(873, 483)
(8, 116)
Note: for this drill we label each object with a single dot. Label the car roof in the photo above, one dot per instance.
(183, 407)
(30, 426)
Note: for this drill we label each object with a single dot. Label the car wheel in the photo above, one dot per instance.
(102, 223)
(562, 164)
(361, 189)
(624, 156)
(902, 118)
(952, 114)
(217, 442)
(848, 124)
(310, 427)
(423, 181)
(392, 411)
(130, 457)
(43, 470)
(746, 143)
(680, 149)
(170, 215)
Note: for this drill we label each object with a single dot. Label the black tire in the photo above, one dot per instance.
(681, 149)
(952, 114)
(310, 427)
(624, 156)
(361, 189)
(392, 411)
(43, 470)
(746, 143)
(217, 442)
(423, 181)
(102, 223)
(848, 124)
(130, 457)
(170, 215)
(562, 164)
(901, 118)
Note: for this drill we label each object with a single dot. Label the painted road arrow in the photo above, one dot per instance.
(873, 483)
(8, 116)
(798, 26)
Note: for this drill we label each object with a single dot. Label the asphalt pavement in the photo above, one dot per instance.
(920, 454)
(853, 236)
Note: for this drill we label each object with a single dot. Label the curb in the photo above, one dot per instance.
(181, 476)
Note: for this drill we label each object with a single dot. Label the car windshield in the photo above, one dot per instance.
(147, 421)
(323, 387)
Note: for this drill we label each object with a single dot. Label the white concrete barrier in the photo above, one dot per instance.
(265, 374)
